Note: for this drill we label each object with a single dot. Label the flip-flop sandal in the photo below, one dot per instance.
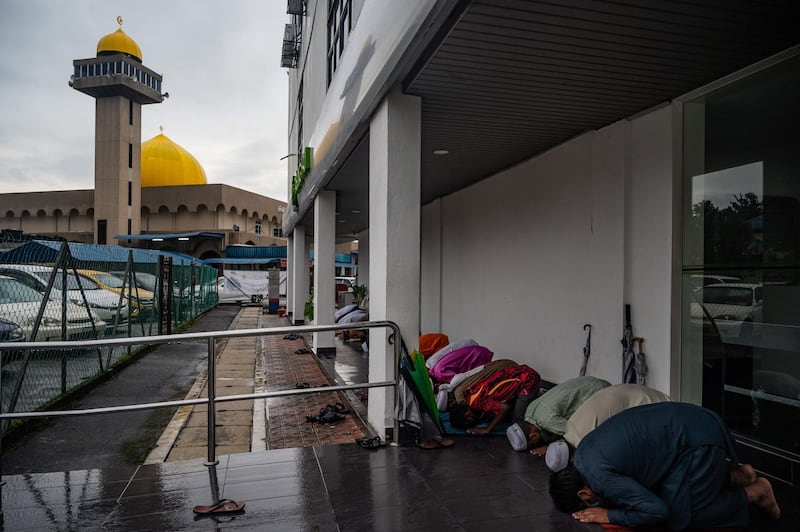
(225, 506)
(290, 337)
(301, 385)
(429, 445)
(325, 417)
(371, 443)
(302, 351)
(339, 408)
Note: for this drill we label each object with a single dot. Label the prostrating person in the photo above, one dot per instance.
(594, 411)
(546, 417)
(670, 465)
(492, 396)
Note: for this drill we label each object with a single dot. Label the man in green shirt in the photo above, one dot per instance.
(546, 417)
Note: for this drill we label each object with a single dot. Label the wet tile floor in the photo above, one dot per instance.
(475, 485)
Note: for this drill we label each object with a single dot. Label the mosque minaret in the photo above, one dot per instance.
(120, 84)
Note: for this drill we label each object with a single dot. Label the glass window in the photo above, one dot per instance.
(339, 26)
(741, 256)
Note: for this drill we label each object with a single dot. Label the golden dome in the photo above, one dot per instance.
(119, 42)
(165, 164)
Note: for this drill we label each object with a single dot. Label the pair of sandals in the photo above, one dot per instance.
(291, 336)
(329, 414)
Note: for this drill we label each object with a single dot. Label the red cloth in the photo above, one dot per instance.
(430, 343)
(488, 395)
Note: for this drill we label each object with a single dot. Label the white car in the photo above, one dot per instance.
(700, 280)
(734, 307)
(104, 303)
(20, 304)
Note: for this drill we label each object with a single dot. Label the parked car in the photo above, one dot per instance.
(699, 280)
(730, 305)
(104, 303)
(142, 300)
(10, 331)
(20, 303)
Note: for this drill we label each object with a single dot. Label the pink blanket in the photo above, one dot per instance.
(459, 361)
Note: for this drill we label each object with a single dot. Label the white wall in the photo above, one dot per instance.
(530, 255)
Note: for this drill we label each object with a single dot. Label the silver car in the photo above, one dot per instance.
(20, 304)
(104, 303)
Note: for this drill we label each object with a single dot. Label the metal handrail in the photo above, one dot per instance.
(212, 399)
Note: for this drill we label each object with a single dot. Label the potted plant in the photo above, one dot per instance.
(360, 295)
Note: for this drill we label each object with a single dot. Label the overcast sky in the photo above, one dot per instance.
(221, 66)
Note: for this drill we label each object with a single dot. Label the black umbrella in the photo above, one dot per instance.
(587, 349)
(628, 357)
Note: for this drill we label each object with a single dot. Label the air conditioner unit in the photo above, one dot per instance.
(289, 53)
(296, 7)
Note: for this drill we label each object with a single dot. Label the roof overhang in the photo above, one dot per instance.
(159, 237)
(504, 80)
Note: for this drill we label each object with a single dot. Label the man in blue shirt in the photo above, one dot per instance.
(666, 464)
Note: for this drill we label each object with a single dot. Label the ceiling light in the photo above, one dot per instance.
(158, 240)
(440, 152)
(183, 238)
(356, 211)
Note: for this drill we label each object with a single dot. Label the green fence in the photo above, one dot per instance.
(50, 293)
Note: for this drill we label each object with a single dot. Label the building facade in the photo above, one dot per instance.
(513, 171)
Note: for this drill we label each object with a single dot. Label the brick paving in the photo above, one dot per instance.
(253, 364)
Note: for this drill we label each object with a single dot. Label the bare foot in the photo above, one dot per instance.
(760, 493)
(743, 475)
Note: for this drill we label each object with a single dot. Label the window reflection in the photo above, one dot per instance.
(741, 271)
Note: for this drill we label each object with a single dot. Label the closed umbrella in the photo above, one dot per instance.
(628, 357)
(640, 364)
(587, 349)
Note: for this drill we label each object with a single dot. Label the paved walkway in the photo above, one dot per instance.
(255, 364)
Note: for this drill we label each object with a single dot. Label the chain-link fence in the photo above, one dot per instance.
(50, 292)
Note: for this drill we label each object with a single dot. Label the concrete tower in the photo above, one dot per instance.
(120, 84)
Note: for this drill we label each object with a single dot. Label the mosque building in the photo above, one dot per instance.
(151, 194)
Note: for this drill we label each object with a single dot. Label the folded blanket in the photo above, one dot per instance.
(498, 430)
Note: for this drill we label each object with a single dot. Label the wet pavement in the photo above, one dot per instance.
(299, 475)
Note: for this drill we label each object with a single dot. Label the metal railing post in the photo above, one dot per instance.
(396, 377)
(212, 393)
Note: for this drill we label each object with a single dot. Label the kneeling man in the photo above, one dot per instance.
(666, 464)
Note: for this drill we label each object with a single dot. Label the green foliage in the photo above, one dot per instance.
(308, 308)
(303, 169)
(360, 295)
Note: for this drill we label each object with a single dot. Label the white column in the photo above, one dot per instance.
(299, 266)
(394, 239)
(324, 269)
(289, 275)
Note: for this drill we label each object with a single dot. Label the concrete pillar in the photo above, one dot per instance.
(324, 269)
(394, 238)
(289, 276)
(299, 266)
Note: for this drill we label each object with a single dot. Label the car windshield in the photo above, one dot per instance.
(728, 295)
(12, 291)
(72, 281)
(109, 280)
